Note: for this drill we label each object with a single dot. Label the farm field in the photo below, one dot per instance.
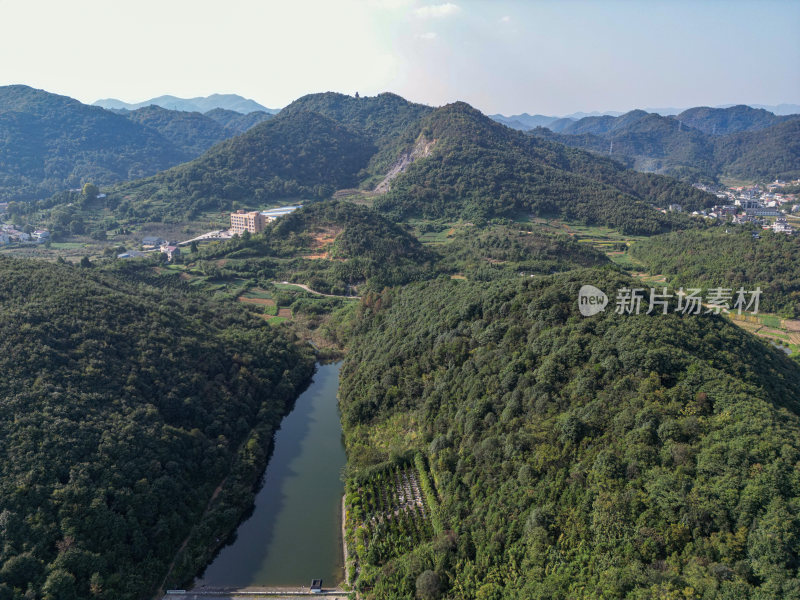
(389, 513)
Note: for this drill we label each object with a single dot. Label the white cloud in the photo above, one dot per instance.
(437, 11)
(428, 35)
(505, 19)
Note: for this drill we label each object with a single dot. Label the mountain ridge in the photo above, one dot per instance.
(201, 104)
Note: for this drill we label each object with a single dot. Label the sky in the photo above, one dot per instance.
(550, 57)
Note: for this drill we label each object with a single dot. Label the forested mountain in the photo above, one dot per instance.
(200, 104)
(646, 142)
(614, 456)
(230, 119)
(50, 142)
(479, 169)
(380, 117)
(603, 124)
(125, 406)
(391, 122)
(316, 145)
(524, 121)
(772, 153)
(330, 246)
(721, 121)
(324, 142)
(191, 131)
(718, 258)
(738, 142)
(294, 155)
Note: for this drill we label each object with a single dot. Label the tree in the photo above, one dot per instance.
(85, 262)
(90, 191)
(60, 585)
(428, 585)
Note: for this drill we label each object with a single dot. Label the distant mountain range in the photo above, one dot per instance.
(525, 121)
(200, 104)
(697, 144)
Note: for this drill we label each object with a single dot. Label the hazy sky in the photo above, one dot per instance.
(551, 57)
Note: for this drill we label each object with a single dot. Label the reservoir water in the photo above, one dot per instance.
(294, 533)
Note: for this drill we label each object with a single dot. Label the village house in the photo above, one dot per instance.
(782, 226)
(171, 251)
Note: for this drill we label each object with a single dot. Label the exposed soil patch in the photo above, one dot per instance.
(325, 237)
(261, 301)
(285, 312)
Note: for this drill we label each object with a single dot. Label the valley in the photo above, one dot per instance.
(477, 436)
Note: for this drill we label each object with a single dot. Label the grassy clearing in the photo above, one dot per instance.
(66, 245)
(625, 260)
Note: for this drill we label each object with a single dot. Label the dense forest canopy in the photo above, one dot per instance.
(238, 122)
(616, 456)
(124, 406)
(192, 131)
(721, 121)
(50, 142)
(729, 258)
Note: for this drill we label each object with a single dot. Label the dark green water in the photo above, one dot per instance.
(294, 534)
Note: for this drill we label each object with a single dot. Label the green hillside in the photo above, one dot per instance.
(232, 120)
(296, 155)
(722, 121)
(329, 246)
(502, 250)
(716, 258)
(50, 142)
(768, 154)
(124, 407)
(192, 131)
(613, 456)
